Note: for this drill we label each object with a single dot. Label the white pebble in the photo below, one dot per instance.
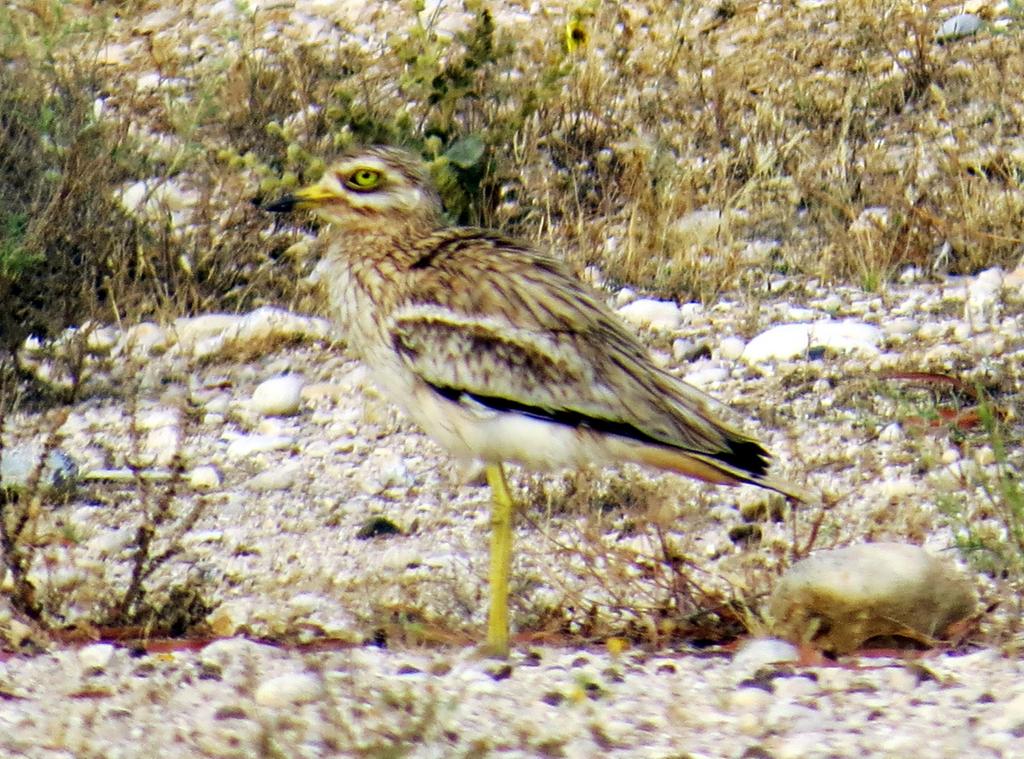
(681, 348)
(145, 339)
(983, 296)
(163, 445)
(798, 314)
(750, 699)
(984, 456)
(278, 396)
(96, 656)
(278, 478)
(624, 296)
(698, 227)
(228, 618)
(788, 341)
(901, 325)
(731, 348)
(204, 478)
(191, 330)
(873, 219)
(305, 604)
(761, 652)
(157, 418)
(18, 466)
(1007, 716)
(692, 312)
(656, 314)
(891, 433)
(110, 542)
(781, 342)
(247, 445)
(384, 470)
(910, 275)
(707, 375)
(218, 404)
(898, 489)
(288, 690)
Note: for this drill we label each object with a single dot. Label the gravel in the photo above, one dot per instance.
(238, 698)
(281, 552)
(332, 635)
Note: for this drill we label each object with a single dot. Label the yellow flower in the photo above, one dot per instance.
(575, 35)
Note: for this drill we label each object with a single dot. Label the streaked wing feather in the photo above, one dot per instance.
(573, 363)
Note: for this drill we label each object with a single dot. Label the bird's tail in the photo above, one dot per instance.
(708, 468)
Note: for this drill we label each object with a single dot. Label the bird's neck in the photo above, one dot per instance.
(375, 240)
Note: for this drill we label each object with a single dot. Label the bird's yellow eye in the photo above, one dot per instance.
(363, 179)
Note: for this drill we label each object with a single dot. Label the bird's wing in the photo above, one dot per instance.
(531, 338)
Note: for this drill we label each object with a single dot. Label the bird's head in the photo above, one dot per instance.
(371, 187)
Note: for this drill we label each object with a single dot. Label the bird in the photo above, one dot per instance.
(497, 351)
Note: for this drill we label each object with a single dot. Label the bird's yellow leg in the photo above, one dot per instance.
(501, 561)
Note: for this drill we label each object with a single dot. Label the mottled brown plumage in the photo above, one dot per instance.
(497, 351)
(466, 328)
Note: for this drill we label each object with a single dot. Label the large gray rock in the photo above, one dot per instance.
(837, 600)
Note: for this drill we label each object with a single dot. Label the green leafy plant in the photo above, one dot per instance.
(994, 540)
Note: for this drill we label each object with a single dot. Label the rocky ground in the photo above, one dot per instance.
(314, 580)
(288, 546)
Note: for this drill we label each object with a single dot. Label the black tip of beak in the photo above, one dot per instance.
(282, 205)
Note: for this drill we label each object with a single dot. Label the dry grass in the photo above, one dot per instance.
(684, 150)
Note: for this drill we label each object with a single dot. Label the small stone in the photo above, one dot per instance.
(751, 699)
(304, 604)
(192, 330)
(655, 314)
(698, 227)
(204, 478)
(788, 341)
(96, 656)
(218, 404)
(891, 433)
(983, 297)
(758, 653)
(19, 465)
(401, 557)
(288, 690)
(624, 296)
(871, 221)
(984, 456)
(247, 445)
(163, 444)
(707, 375)
(278, 396)
(331, 391)
(900, 326)
(101, 341)
(143, 340)
(278, 478)
(958, 26)
(384, 470)
(1008, 716)
(229, 618)
(681, 349)
(731, 348)
(688, 351)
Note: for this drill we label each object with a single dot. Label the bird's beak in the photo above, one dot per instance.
(308, 197)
